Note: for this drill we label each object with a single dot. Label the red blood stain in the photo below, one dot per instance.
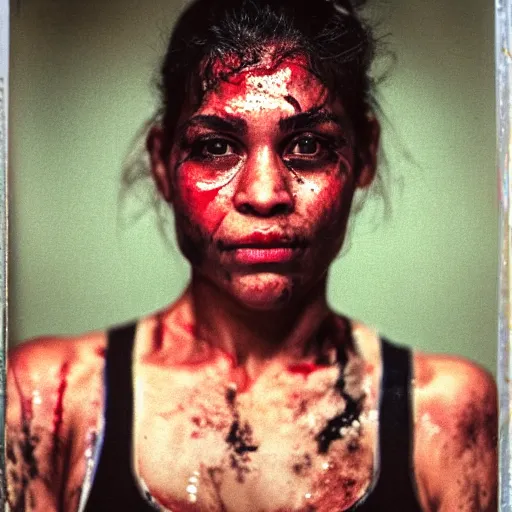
(58, 410)
(203, 199)
(240, 377)
(238, 374)
(100, 351)
(158, 333)
(190, 328)
(304, 368)
(231, 359)
(195, 435)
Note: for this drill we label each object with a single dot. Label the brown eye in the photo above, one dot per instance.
(305, 146)
(217, 147)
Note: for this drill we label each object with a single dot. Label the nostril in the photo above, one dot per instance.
(281, 209)
(244, 209)
(247, 208)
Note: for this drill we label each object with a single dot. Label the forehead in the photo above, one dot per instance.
(288, 86)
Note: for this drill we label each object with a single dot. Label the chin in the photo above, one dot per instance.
(262, 291)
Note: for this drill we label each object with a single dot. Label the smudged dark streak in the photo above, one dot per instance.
(213, 473)
(476, 436)
(477, 429)
(158, 334)
(433, 504)
(11, 456)
(29, 470)
(300, 468)
(293, 102)
(32, 499)
(289, 166)
(27, 446)
(65, 477)
(353, 408)
(331, 432)
(239, 439)
(230, 396)
(353, 446)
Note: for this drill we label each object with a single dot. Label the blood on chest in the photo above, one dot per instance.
(206, 444)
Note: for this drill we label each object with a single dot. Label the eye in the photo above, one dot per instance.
(217, 147)
(212, 148)
(307, 145)
(310, 151)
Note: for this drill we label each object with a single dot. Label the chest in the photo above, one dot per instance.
(292, 441)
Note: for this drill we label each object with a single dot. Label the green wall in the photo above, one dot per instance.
(81, 87)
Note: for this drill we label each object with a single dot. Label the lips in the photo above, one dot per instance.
(261, 248)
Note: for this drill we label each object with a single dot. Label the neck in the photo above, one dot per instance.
(249, 336)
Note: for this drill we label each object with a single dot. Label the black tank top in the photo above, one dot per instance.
(114, 487)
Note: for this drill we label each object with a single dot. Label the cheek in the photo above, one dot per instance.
(329, 203)
(204, 207)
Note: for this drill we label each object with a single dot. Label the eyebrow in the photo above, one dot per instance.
(237, 126)
(309, 119)
(227, 123)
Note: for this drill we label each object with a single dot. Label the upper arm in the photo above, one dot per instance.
(37, 430)
(457, 438)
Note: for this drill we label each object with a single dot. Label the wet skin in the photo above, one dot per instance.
(239, 370)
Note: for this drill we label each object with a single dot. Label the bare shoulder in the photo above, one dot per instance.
(53, 392)
(37, 353)
(455, 433)
(38, 368)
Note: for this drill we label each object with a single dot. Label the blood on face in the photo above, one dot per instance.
(268, 150)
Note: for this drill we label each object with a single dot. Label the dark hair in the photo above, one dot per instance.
(338, 46)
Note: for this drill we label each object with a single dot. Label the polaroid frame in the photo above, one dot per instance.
(4, 103)
(503, 56)
(503, 38)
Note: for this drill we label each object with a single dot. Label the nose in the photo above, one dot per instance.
(264, 188)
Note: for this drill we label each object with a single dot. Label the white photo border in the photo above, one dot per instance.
(4, 102)
(503, 49)
(503, 53)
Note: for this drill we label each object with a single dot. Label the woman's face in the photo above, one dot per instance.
(261, 177)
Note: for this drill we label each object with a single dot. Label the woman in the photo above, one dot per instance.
(250, 393)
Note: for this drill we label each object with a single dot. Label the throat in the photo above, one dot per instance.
(239, 379)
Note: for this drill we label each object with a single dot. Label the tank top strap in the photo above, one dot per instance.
(113, 482)
(395, 487)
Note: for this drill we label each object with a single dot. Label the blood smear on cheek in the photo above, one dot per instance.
(203, 199)
(202, 211)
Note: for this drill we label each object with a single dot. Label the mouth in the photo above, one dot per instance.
(263, 248)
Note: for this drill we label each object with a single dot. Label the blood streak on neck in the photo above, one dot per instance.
(238, 374)
(240, 377)
(158, 333)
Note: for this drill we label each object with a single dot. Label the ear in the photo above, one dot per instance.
(159, 167)
(368, 155)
